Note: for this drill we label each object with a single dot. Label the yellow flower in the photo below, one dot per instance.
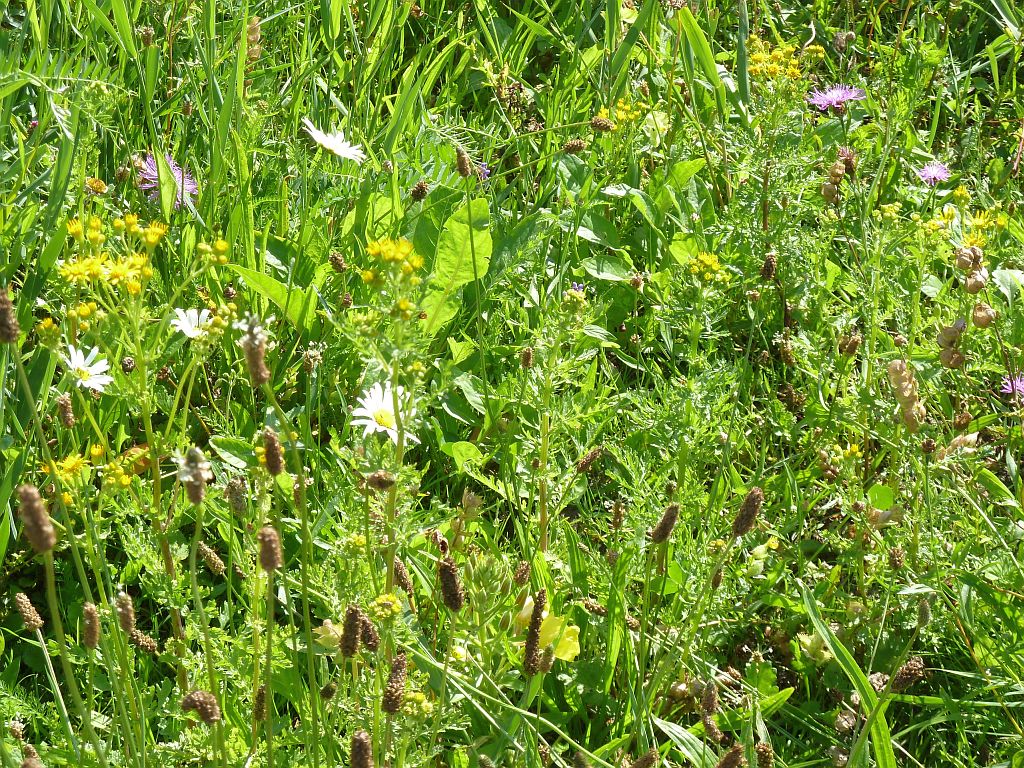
(565, 637)
(75, 229)
(96, 186)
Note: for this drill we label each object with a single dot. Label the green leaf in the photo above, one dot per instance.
(604, 266)
(461, 452)
(881, 496)
(705, 60)
(691, 747)
(463, 255)
(296, 304)
(234, 452)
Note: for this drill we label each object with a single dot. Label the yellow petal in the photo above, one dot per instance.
(568, 647)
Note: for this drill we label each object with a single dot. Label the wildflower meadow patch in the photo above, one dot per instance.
(503, 385)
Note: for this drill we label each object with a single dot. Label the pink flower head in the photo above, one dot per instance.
(835, 97)
(1013, 385)
(932, 173)
(149, 180)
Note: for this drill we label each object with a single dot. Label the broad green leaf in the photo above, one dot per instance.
(463, 255)
(296, 304)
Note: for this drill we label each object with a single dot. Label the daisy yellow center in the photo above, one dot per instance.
(83, 373)
(384, 418)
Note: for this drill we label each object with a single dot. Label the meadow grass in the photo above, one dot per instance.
(480, 384)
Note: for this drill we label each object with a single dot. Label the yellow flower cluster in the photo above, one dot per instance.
(709, 269)
(395, 256)
(624, 112)
(69, 468)
(416, 704)
(384, 607)
(216, 253)
(779, 62)
(94, 266)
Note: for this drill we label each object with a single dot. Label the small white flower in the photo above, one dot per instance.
(335, 143)
(193, 467)
(376, 412)
(90, 371)
(194, 323)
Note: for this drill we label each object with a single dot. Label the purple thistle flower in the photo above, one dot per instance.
(835, 97)
(149, 179)
(1013, 386)
(932, 173)
(483, 171)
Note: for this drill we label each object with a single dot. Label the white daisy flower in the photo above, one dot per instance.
(90, 371)
(194, 323)
(335, 143)
(376, 412)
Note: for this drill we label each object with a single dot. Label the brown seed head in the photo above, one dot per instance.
(204, 704)
(9, 328)
(236, 492)
(328, 691)
(765, 755)
(259, 705)
(254, 346)
(601, 125)
(212, 559)
(90, 626)
(143, 642)
(526, 358)
(381, 480)
(269, 540)
(402, 578)
(66, 411)
(579, 760)
(574, 146)
(394, 693)
(368, 634)
(771, 263)
(462, 163)
(361, 752)
(29, 615)
(272, 452)
(127, 364)
(666, 524)
(908, 674)
(125, 609)
(531, 654)
(647, 760)
(733, 758)
(451, 584)
(522, 573)
(351, 631)
(748, 512)
(419, 190)
(584, 465)
(35, 519)
(17, 730)
(337, 261)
